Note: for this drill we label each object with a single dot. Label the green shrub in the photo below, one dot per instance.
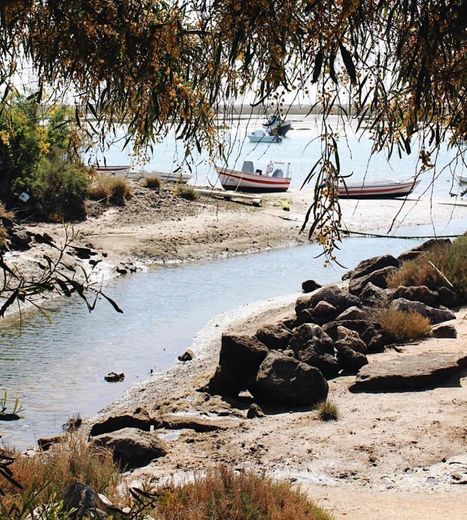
(327, 411)
(153, 182)
(114, 190)
(402, 326)
(185, 192)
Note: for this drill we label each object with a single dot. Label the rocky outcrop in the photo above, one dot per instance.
(419, 293)
(286, 381)
(332, 294)
(365, 267)
(378, 278)
(426, 246)
(444, 331)
(409, 372)
(274, 336)
(138, 419)
(350, 360)
(131, 447)
(433, 314)
(310, 286)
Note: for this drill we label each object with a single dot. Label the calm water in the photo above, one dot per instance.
(56, 369)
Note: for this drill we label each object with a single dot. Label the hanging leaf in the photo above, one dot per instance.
(348, 62)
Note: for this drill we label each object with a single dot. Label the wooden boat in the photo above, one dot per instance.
(275, 125)
(260, 136)
(462, 179)
(386, 189)
(274, 179)
(112, 170)
(180, 177)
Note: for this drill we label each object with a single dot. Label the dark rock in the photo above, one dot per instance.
(121, 270)
(447, 297)
(114, 377)
(409, 372)
(6, 222)
(132, 447)
(197, 424)
(254, 411)
(332, 294)
(84, 253)
(434, 315)
(274, 336)
(350, 339)
(353, 313)
(374, 296)
(45, 443)
(365, 267)
(20, 240)
(322, 312)
(138, 419)
(84, 502)
(378, 278)
(310, 335)
(186, 356)
(286, 381)
(349, 360)
(44, 238)
(426, 246)
(363, 327)
(444, 331)
(375, 343)
(419, 293)
(310, 286)
(239, 360)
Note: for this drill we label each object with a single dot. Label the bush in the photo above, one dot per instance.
(403, 327)
(154, 182)
(185, 192)
(115, 190)
(327, 411)
(450, 259)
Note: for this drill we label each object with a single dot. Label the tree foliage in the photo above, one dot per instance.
(157, 65)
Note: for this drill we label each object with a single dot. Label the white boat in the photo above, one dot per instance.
(275, 125)
(385, 189)
(260, 136)
(112, 170)
(180, 177)
(462, 179)
(274, 179)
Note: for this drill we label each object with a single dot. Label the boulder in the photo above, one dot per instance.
(365, 267)
(364, 328)
(132, 447)
(274, 336)
(378, 278)
(285, 381)
(138, 419)
(373, 296)
(444, 331)
(321, 313)
(447, 297)
(310, 335)
(254, 412)
(350, 360)
(45, 443)
(86, 503)
(332, 294)
(414, 372)
(20, 239)
(114, 377)
(426, 246)
(353, 313)
(419, 293)
(188, 355)
(310, 286)
(326, 363)
(239, 359)
(434, 315)
(350, 339)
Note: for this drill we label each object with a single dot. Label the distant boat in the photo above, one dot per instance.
(255, 181)
(462, 179)
(376, 189)
(275, 125)
(260, 136)
(112, 170)
(180, 177)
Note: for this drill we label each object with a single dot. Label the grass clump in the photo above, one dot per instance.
(153, 182)
(4, 213)
(113, 190)
(327, 411)
(402, 326)
(449, 259)
(185, 192)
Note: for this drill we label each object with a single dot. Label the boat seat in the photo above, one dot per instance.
(248, 167)
(278, 173)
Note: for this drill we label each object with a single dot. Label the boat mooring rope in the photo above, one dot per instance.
(401, 237)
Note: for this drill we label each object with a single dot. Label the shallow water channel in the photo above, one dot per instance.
(56, 369)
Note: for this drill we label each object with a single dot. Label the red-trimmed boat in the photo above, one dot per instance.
(274, 179)
(386, 189)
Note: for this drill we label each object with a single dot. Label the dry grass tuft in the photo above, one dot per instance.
(153, 183)
(225, 495)
(327, 411)
(3, 236)
(115, 190)
(4, 213)
(404, 327)
(185, 192)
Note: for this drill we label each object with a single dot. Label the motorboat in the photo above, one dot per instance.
(275, 178)
(384, 189)
(260, 136)
(112, 170)
(180, 177)
(275, 125)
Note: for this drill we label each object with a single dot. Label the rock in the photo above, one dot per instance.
(414, 372)
(188, 355)
(447, 297)
(426, 246)
(274, 336)
(350, 339)
(332, 294)
(20, 239)
(378, 278)
(84, 253)
(353, 313)
(444, 331)
(114, 377)
(350, 360)
(197, 424)
(419, 293)
(254, 411)
(45, 443)
(239, 360)
(373, 296)
(365, 267)
(310, 335)
(83, 500)
(434, 315)
(132, 447)
(310, 286)
(321, 313)
(44, 238)
(138, 419)
(360, 326)
(286, 381)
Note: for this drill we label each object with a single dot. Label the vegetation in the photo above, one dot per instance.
(114, 190)
(403, 327)
(185, 192)
(327, 411)
(153, 182)
(434, 267)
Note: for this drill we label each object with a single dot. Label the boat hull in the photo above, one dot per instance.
(266, 138)
(112, 170)
(180, 177)
(252, 183)
(376, 190)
